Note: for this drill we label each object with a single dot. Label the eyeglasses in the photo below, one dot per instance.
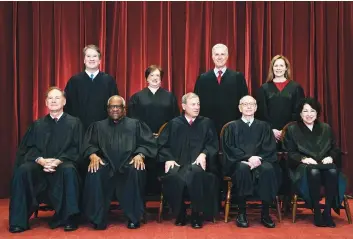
(118, 107)
(248, 104)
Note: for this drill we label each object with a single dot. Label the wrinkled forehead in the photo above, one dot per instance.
(247, 99)
(116, 101)
(219, 50)
(193, 100)
(55, 93)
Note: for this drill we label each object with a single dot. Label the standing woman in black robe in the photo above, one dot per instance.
(278, 98)
(154, 106)
(315, 160)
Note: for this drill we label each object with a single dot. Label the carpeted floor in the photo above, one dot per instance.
(303, 228)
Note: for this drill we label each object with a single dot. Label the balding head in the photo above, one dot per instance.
(247, 106)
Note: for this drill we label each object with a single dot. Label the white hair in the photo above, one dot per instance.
(187, 96)
(118, 97)
(220, 45)
(245, 97)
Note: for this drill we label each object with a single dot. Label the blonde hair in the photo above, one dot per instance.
(93, 47)
(187, 96)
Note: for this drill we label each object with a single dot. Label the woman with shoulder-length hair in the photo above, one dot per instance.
(278, 98)
(315, 161)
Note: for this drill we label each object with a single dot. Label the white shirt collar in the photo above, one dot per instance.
(246, 121)
(58, 116)
(153, 90)
(94, 73)
(188, 119)
(216, 70)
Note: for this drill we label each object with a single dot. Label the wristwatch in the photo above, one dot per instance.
(142, 156)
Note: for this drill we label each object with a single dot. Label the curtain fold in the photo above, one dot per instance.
(42, 46)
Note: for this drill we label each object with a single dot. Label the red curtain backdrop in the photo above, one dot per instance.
(41, 45)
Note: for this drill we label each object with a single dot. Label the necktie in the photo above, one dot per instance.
(248, 123)
(92, 76)
(190, 122)
(56, 120)
(219, 77)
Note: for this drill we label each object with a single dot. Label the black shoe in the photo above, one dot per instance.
(267, 221)
(99, 226)
(318, 220)
(70, 227)
(196, 221)
(15, 229)
(328, 219)
(132, 225)
(241, 220)
(181, 218)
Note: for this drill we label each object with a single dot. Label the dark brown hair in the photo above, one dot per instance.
(152, 68)
(287, 74)
(93, 47)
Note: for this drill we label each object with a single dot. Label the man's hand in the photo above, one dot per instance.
(327, 160)
(277, 134)
(50, 167)
(95, 162)
(201, 160)
(138, 162)
(47, 164)
(249, 164)
(255, 161)
(169, 164)
(309, 161)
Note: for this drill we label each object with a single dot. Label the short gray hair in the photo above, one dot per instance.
(245, 97)
(187, 96)
(220, 45)
(114, 97)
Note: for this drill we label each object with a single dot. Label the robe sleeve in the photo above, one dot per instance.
(131, 108)
(70, 97)
(211, 148)
(113, 88)
(242, 86)
(72, 153)
(261, 101)
(298, 96)
(231, 152)
(145, 141)
(334, 152)
(164, 145)
(176, 110)
(197, 86)
(291, 147)
(268, 151)
(90, 142)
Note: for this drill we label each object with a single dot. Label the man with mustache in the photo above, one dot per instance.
(188, 146)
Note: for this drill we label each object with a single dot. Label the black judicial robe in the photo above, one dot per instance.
(239, 143)
(116, 144)
(183, 143)
(276, 107)
(299, 141)
(153, 109)
(220, 102)
(87, 99)
(47, 139)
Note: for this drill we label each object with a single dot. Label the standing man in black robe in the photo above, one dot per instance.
(188, 146)
(116, 148)
(87, 92)
(220, 90)
(46, 166)
(250, 159)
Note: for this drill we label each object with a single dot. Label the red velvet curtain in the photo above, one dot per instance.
(41, 45)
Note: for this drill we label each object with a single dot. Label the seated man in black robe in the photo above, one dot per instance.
(116, 148)
(250, 159)
(46, 167)
(188, 146)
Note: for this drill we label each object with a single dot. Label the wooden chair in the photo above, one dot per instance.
(296, 198)
(228, 180)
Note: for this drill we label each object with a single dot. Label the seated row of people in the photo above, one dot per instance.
(54, 147)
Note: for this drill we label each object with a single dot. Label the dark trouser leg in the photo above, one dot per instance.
(314, 183)
(24, 189)
(64, 192)
(173, 189)
(267, 183)
(98, 190)
(330, 178)
(130, 192)
(242, 180)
